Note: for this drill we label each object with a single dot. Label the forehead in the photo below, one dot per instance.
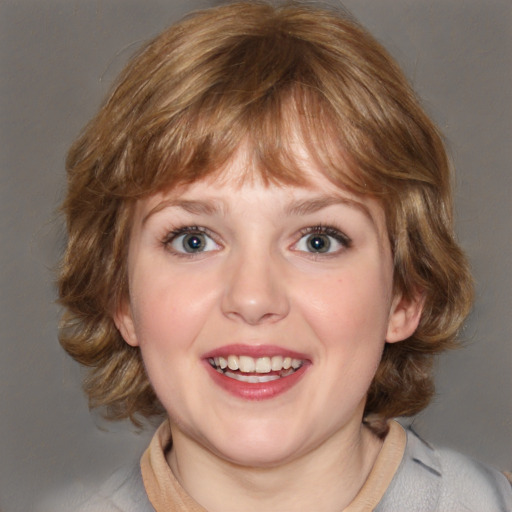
(245, 169)
(240, 183)
(298, 162)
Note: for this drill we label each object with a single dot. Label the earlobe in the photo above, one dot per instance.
(123, 319)
(404, 317)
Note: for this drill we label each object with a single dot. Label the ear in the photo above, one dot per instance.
(123, 318)
(404, 317)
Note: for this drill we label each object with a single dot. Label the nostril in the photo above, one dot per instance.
(254, 288)
(253, 317)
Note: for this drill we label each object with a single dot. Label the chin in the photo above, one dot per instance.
(259, 457)
(260, 448)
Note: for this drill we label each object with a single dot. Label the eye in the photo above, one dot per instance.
(190, 240)
(322, 240)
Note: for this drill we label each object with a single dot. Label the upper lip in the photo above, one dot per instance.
(255, 351)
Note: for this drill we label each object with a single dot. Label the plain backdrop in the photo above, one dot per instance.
(58, 59)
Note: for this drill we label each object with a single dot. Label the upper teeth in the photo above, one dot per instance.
(249, 364)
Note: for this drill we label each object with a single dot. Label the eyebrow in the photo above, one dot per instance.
(207, 207)
(308, 206)
(300, 207)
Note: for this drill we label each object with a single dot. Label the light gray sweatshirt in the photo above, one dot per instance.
(427, 480)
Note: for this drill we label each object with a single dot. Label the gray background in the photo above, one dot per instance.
(57, 59)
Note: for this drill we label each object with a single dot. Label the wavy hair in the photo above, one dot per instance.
(259, 74)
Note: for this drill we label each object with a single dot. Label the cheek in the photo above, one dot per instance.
(167, 306)
(350, 311)
(168, 313)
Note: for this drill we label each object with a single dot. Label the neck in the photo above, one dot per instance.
(325, 479)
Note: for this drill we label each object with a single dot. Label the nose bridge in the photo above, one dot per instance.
(255, 290)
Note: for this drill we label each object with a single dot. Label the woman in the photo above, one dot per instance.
(261, 249)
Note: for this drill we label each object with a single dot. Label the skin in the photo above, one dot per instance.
(257, 281)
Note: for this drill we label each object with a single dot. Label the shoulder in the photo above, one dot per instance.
(122, 492)
(471, 483)
(438, 479)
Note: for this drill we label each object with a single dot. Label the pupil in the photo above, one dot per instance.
(193, 242)
(318, 243)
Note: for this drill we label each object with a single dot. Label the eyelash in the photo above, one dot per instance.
(329, 231)
(172, 235)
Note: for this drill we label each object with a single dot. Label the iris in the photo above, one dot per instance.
(318, 243)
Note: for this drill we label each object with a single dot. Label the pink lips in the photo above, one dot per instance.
(260, 390)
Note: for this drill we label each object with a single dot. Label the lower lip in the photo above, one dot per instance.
(256, 391)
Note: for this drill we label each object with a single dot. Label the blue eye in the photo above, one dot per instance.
(191, 241)
(322, 240)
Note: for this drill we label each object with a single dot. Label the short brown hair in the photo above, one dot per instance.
(251, 72)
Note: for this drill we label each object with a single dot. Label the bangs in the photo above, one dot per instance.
(271, 107)
(282, 138)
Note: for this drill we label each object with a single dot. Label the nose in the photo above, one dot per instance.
(255, 292)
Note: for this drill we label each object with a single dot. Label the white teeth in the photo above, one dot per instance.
(263, 365)
(247, 364)
(251, 379)
(277, 363)
(233, 362)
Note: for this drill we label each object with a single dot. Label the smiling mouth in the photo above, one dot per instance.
(255, 370)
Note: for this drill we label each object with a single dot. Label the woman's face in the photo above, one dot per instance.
(261, 311)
